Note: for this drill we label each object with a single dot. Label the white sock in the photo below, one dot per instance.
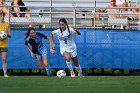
(79, 69)
(69, 65)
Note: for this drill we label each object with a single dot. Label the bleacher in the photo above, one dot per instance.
(79, 13)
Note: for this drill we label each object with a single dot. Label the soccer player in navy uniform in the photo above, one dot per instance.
(39, 50)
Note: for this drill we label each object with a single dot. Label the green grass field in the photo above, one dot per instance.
(87, 84)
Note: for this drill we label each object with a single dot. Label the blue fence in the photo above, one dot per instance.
(96, 49)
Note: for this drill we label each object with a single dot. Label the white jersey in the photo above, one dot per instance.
(66, 41)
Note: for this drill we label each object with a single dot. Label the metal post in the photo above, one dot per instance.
(139, 19)
(74, 17)
(9, 15)
(51, 13)
(94, 11)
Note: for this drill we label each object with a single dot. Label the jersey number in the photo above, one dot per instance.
(65, 40)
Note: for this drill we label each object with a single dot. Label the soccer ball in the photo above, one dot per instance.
(61, 73)
(3, 35)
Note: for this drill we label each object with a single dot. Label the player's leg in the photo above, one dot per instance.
(46, 67)
(78, 67)
(75, 61)
(69, 64)
(4, 63)
(40, 63)
(43, 53)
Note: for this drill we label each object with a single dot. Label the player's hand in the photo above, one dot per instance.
(9, 35)
(74, 28)
(52, 51)
(52, 48)
(48, 38)
(32, 54)
(1, 39)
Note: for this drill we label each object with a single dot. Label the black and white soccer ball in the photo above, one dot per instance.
(61, 73)
(3, 35)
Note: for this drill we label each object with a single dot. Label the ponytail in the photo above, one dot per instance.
(68, 29)
(26, 35)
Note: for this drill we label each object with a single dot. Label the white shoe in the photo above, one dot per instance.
(6, 76)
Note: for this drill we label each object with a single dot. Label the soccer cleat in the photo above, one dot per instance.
(6, 76)
(48, 71)
(72, 74)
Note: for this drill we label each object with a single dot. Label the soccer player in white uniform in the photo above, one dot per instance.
(67, 45)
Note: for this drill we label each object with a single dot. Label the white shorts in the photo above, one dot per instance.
(72, 54)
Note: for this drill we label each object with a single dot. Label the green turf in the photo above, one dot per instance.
(88, 84)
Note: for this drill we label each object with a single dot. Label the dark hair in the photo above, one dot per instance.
(112, 0)
(28, 32)
(1, 12)
(65, 21)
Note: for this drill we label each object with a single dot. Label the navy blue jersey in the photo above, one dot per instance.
(36, 43)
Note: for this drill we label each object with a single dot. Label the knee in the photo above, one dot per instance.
(41, 67)
(46, 64)
(76, 63)
(68, 59)
(4, 60)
